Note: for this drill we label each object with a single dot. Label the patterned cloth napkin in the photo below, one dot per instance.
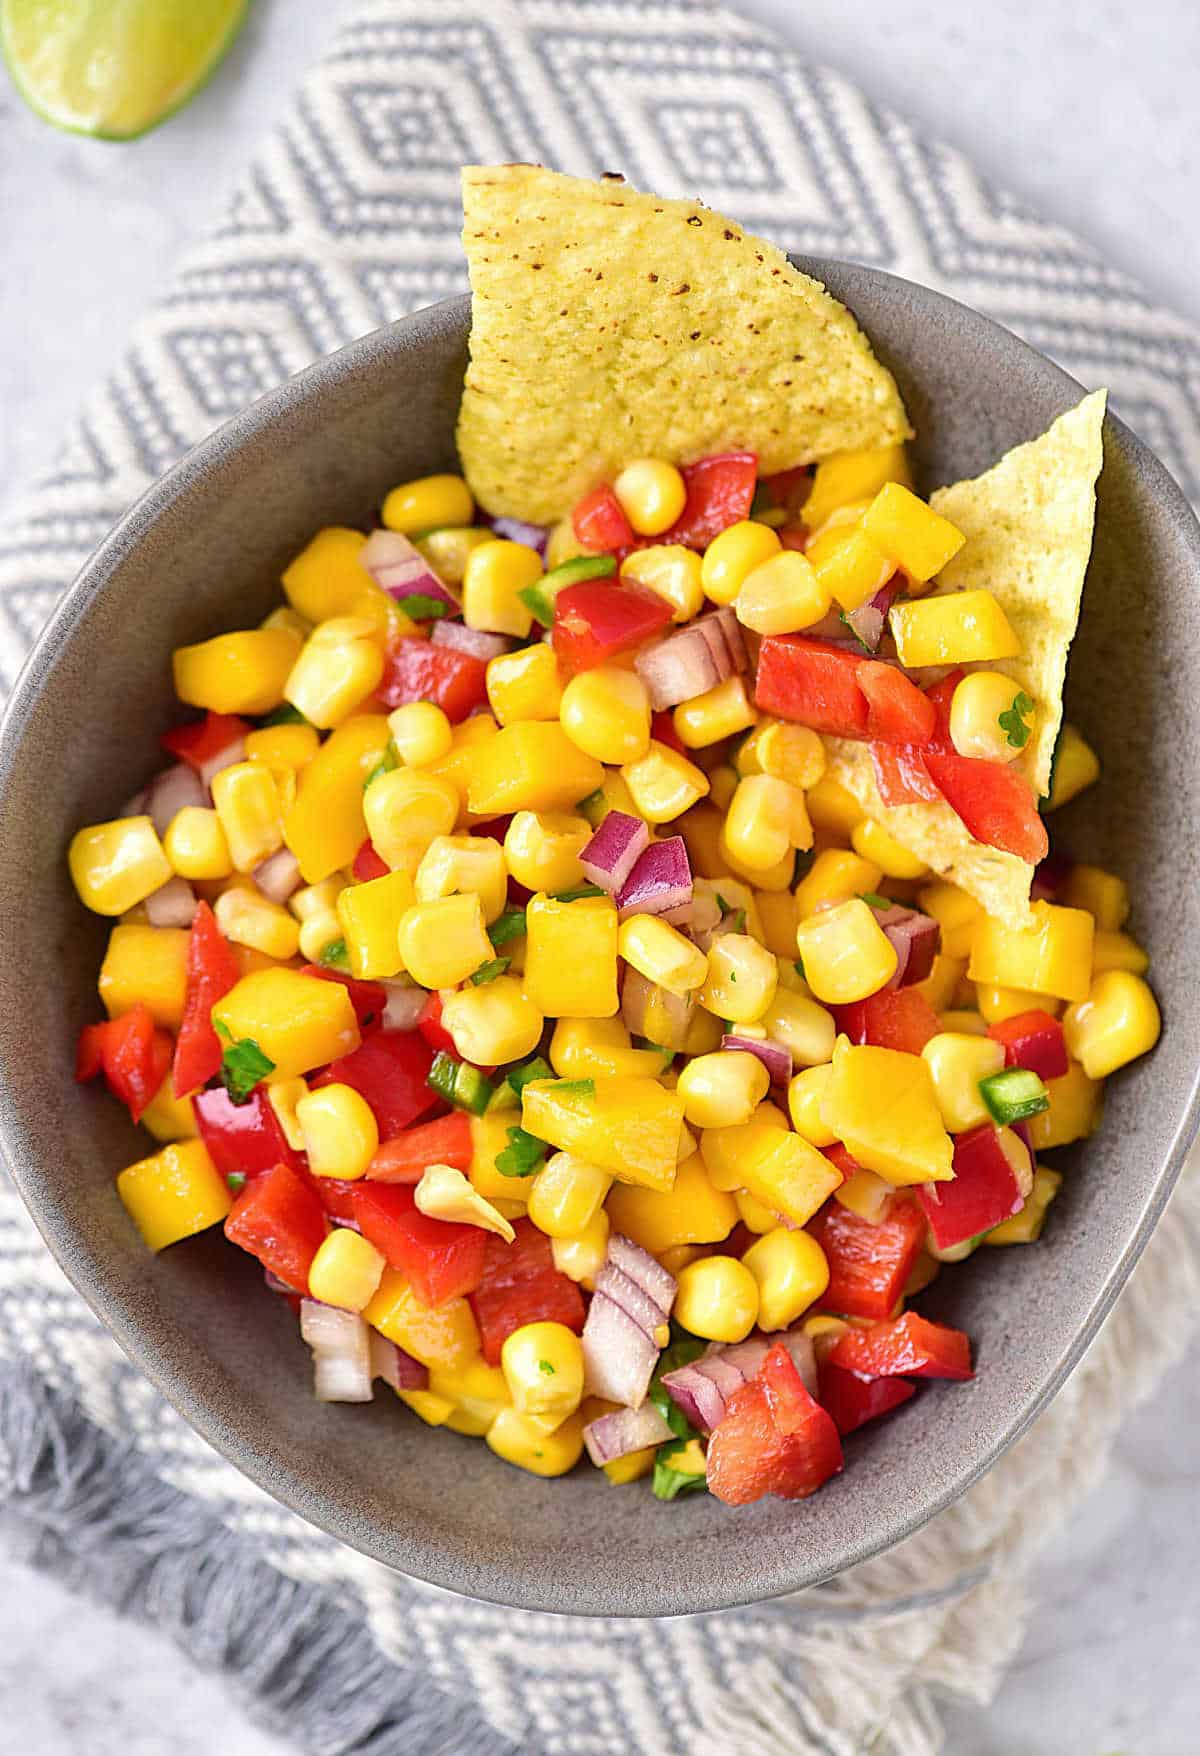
(348, 218)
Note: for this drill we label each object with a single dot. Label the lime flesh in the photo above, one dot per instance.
(114, 68)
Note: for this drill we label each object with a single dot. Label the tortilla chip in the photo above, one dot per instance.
(608, 325)
(1028, 523)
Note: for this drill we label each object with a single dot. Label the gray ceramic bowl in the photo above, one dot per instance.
(202, 551)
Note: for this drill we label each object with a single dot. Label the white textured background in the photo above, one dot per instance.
(1089, 111)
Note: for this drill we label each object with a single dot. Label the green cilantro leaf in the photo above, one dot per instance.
(509, 925)
(1012, 721)
(873, 899)
(546, 1367)
(284, 715)
(726, 908)
(670, 1482)
(335, 955)
(242, 1066)
(487, 972)
(423, 608)
(798, 966)
(519, 1077)
(739, 921)
(236, 1181)
(523, 1155)
(578, 895)
(385, 765)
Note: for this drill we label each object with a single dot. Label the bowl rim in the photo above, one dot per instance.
(268, 1469)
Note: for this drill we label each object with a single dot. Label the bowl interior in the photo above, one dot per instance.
(203, 552)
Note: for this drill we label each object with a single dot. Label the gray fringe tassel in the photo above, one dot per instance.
(89, 1510)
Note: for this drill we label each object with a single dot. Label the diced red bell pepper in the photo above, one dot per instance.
(897, 711)
(868, 1264)
(368, 865)
(278, 1219)
(599, 618)
(441, 1260)
(790, 487)
(444, 1141)
(133, 1055)
(243, 1137)
(662, 730)
(389, 1069)
(416, 670)
(843, 1159)
(942, 694)
(211, 971)
(894, 1018)
(852, 1401)
(430, 1025)
(200, 740)
(367, 998)
(901, 775)
(774, 1438)
(720, 492)
(813, 682)
(599, 523)
(521, 1285)
(1034, 1040)
(983, 1191)
(909, 1346)
(996, 804)
(336, 1196)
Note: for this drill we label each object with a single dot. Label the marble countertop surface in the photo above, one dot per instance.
(1088, 112)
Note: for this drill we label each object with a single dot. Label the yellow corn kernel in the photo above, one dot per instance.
(291, 620)
(464, 864)
(236, 673)
(405, 809)
(282, 747)
(1117, 1022)
(567, 1195)
(116, 865)
(791, 1272)
(341, 1135)
(957, 1063)
(651, 494)
(317, 934)
(1101, 893)
(428, 502)
(957, 914)
(606, 713)
(941, 984)
(723, 1089)
(246, 917)
(782, 595)
(195, 844)
(792, 753)
(963, 627)
(852, 475)
(673, 573)
(339, 667)
(1075, 767)
(1026, 1227)
(369, 916)
(722, 784)
(766, 819)
(997, 1004)
(493, 1023)
(1118, 951)
(174, 1193)
(717, 1298)
(442, 943)
(447, 548)
(777, 921)
(754, 1215)
(911, 533)
(726, 1152)
(149, 964)
(283, 1095)
(328, 576)
(495, 575)
(964, 1023)
(741, 981)
(836, 876)
(298, 1022)
(627, 1126)
(806, 1096)
(716, 714)
(1053, 955)
(346, 1270)
(571, 957)
(312, 900)
(874, 844)
(434, 1410)
(662, 954)
(475, 1390)
(802, 1026)
(421, 733)
(978, 703)
(525, 684)
(542, 849)
(881, 1105)
(851, 568)
(583, 1047)
(581, 1257)
(443, 1337)
(845, 953)
(865, 1194)
(515, 1439)
(692, 1211)
(247, 802)
(325, 827)
(833, 810)
(732, 555)
(530, 766)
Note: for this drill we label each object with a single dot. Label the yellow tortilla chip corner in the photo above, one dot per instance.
(608, 325)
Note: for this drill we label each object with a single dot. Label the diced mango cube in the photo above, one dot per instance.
(370, 916)
(910, 532)
(146, 963)
(325, 827)
(726, 1151)
(1053, 955)
(1076, 766)
(835, 875)
(328, 577)
(530, 765)
(174, 1193)
(694, 1211)
(1117, 1022)
(1074, 1111)
(963, 627)
(445, 1336)
(167, 1117)
(628, 1126)
(243, 672)
(297, 1021)
(882, 1106)
(1101, 893)
(571, 956)
(790, 1177)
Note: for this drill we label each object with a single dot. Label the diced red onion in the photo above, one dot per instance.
(676, 1010)
(473, 641)
(803, 1356)
(172, 905)
(394, 1366)
(614, 850)
(404, 1006)
(1048, 878)
(170, 791)
(619, 1357)
(400, 568)
(679, 668)
(278, 876)
(633, 1300)
(341, 1347)
(775, 1057)
(869, 620)
(702, 1389)
(624, 1430)
(660, 880)
(275, 1285)
(518, 530)
(735, 635)
(695, 1394)
(235, 752)
(643, 1269)
(914, 938)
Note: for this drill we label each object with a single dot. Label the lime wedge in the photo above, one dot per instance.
(114, 68)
